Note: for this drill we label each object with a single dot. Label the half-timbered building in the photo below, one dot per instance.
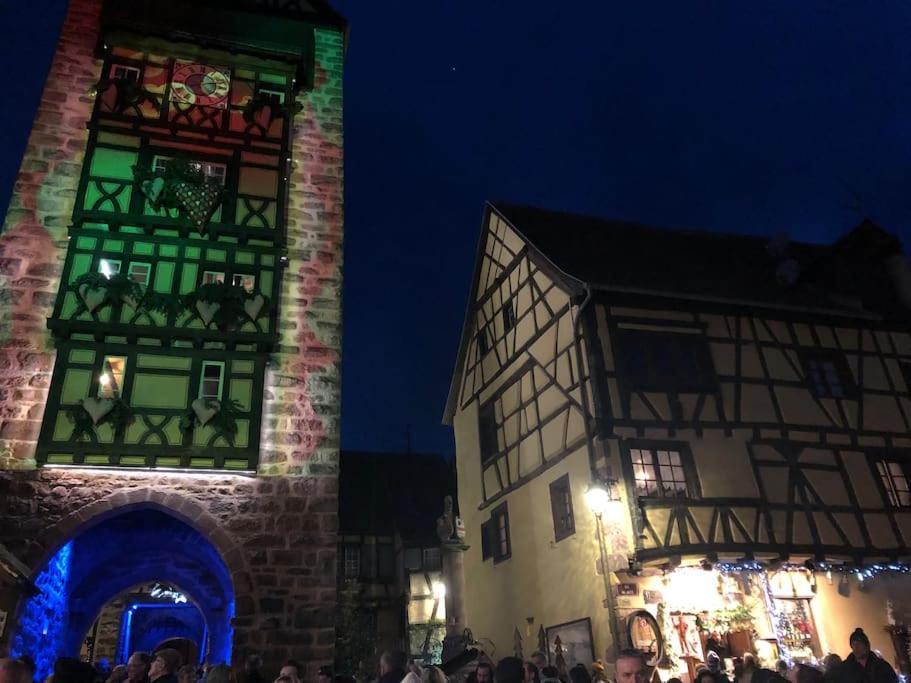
(736, 409)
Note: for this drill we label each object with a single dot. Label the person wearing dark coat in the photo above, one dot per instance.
(863, 665)
(392, 667)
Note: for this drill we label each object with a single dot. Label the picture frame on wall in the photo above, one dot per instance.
(571, 642)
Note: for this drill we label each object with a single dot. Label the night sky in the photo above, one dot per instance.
(762, 118)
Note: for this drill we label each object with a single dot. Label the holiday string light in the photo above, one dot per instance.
(862, 573)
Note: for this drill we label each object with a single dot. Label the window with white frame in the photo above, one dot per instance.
(108, 267)
(895, 481)
(213, 277)
(658, 473)
(110, 379)
(248, 282)
(211, 380)
(125, 73)
(140, 272)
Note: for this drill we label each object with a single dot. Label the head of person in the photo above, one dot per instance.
(138, 666)
(283, 679)
(713, 661)
(166, 662)
(801, 673)
(293, 670)
(392, 660)
(860, 644)
(510, 670)
(532, 673)
(186, 674)
(631, 668)
(68, 670)
(579, 674)
(433, 674)
(539, 659)
(325, 675)
(749, 662)
(674, 680)
(705, 676)
(12, 671)
(782, 667)
(220, 673)
(484, 673)
(550, 673)
(831, 662)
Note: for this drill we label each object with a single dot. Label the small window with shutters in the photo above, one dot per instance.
(561, 507)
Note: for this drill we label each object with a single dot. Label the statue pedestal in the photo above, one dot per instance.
(455, 641)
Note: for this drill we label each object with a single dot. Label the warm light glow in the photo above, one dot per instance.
(106, 269)
(105, 379)
(439, 590)
(597, 498)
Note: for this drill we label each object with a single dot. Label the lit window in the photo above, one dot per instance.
(125, 73)
(895, 481)
(108, 267)
(248, 282)
(210, 382)
(212, 277)
(352, 561)
(110, 380)
(658, 473)
(431, 558)
(140, 272)
(828, 375)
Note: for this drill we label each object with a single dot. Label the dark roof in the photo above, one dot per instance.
(380, 493)
(698, 264)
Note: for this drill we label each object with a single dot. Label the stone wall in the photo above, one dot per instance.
(107, 634)
(33, 241)
(276, 537)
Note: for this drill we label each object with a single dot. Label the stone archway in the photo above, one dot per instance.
(118, 548)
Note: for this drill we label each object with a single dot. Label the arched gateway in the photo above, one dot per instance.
(108, 555)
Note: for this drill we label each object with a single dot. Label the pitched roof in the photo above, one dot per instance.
(380, 493)
(619, 255)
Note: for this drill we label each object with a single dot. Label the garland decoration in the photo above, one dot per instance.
(94, 290)
(92, 412)
(225, 305)
(264, 108)
(222, 416)
(128, 95)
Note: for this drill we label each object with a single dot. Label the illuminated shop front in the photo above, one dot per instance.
(790, 613)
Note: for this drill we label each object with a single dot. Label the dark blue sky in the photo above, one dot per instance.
(744, 117)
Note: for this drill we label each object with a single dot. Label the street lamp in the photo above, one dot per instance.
(600, 496)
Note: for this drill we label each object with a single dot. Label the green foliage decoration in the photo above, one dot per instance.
(223, 423)
(118, 417)
(117, 288)
(130, 95)
(232, 304)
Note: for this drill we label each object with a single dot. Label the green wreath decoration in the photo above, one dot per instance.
(119, 416)
(94, 290)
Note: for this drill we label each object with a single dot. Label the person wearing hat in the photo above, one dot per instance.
(863, 665)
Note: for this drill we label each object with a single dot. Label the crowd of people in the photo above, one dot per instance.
(861, 665)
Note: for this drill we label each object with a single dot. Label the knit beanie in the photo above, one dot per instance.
(714, 661)
(859, 635)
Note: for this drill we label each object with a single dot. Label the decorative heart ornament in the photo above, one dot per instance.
(130, 301)
(205, 409)
(198, 201)
(207, 311)
(92, 297)
(97, 408)
(253, 307)
(153, 189)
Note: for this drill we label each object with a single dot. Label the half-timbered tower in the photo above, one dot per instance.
(700, 435)
(171, 333)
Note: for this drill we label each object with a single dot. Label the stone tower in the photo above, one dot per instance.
(170, 331)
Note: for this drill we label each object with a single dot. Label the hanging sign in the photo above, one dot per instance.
(200, 84)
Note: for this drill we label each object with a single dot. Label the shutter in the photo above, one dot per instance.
(486, 540)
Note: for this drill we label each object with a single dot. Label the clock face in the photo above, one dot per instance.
(200, 84)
